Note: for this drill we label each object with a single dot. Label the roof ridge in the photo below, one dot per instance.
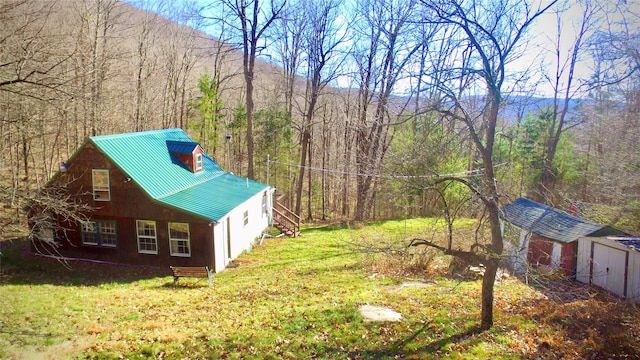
(134, 134)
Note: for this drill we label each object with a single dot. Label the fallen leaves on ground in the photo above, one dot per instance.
(586, 323)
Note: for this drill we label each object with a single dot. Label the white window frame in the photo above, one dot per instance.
(149, 239)
(174, 242)
(199, 162)
(245, 217)
(101, 192)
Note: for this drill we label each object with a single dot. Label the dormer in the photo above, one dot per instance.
(189, 153)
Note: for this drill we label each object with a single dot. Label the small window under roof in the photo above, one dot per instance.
(188, 153)
(198, 163)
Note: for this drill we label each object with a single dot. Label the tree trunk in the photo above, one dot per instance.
(491, 267)
(249, 132)
(488, 280)
(309, 186)
(303, 164)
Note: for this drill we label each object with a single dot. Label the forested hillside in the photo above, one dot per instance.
(365, 110)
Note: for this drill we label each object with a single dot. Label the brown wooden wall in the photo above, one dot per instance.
(569, 258)
(541, 248)
(539, 252)
(128, 203)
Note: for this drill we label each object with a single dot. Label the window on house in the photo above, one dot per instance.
(246, 217)
(107, 233)
(198, 166)
(147, 237)
(46, 234)
(99, 233)
(179, 239)
(264, 204)
(101, 188)
(89, 233)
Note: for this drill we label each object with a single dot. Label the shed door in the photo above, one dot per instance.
(609, 268)
(556, 254)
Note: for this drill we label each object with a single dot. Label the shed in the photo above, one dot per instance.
(548, 236)
(612, 263)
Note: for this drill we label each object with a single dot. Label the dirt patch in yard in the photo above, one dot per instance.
(57, 351)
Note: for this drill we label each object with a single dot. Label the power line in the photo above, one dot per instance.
(468, 173)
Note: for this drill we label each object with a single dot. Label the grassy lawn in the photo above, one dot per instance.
(298, 299)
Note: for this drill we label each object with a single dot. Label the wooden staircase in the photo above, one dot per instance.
(284, 219)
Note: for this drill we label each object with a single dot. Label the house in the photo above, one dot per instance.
(548, 236)
(611, 262)
(157, 199)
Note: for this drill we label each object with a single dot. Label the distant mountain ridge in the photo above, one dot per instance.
(518, 106)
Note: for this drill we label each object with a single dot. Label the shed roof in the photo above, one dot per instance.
(551, 223)
(632, 243)
(148, 159)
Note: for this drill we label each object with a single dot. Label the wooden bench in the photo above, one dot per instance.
(193, 272)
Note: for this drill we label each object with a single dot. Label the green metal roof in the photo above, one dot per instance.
(146, 157)
(226, 192)
(181, 147)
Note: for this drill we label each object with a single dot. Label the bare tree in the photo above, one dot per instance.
(178, 58)
(321, 39)
(144, 63)
(220, 68)
(390, 47)
(252, 18)
(609, 143)
(289, 29)
(98, 22)
(28, 52)
(34, 69)
(615, 45)
(564, 81)
(486, 35)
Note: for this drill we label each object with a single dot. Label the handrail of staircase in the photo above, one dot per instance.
(289, 213)
(296, 226)
(285, 217)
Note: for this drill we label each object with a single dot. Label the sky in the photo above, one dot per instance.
(545, 34)
(539, 55)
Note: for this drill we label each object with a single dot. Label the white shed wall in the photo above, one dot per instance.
(633, 279)
(583, 266)
(516, 251)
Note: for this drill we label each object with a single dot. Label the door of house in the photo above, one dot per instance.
(226, 250)
(228, 238)
(609, 267)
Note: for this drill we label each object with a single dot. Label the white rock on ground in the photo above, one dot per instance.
(379, 313)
